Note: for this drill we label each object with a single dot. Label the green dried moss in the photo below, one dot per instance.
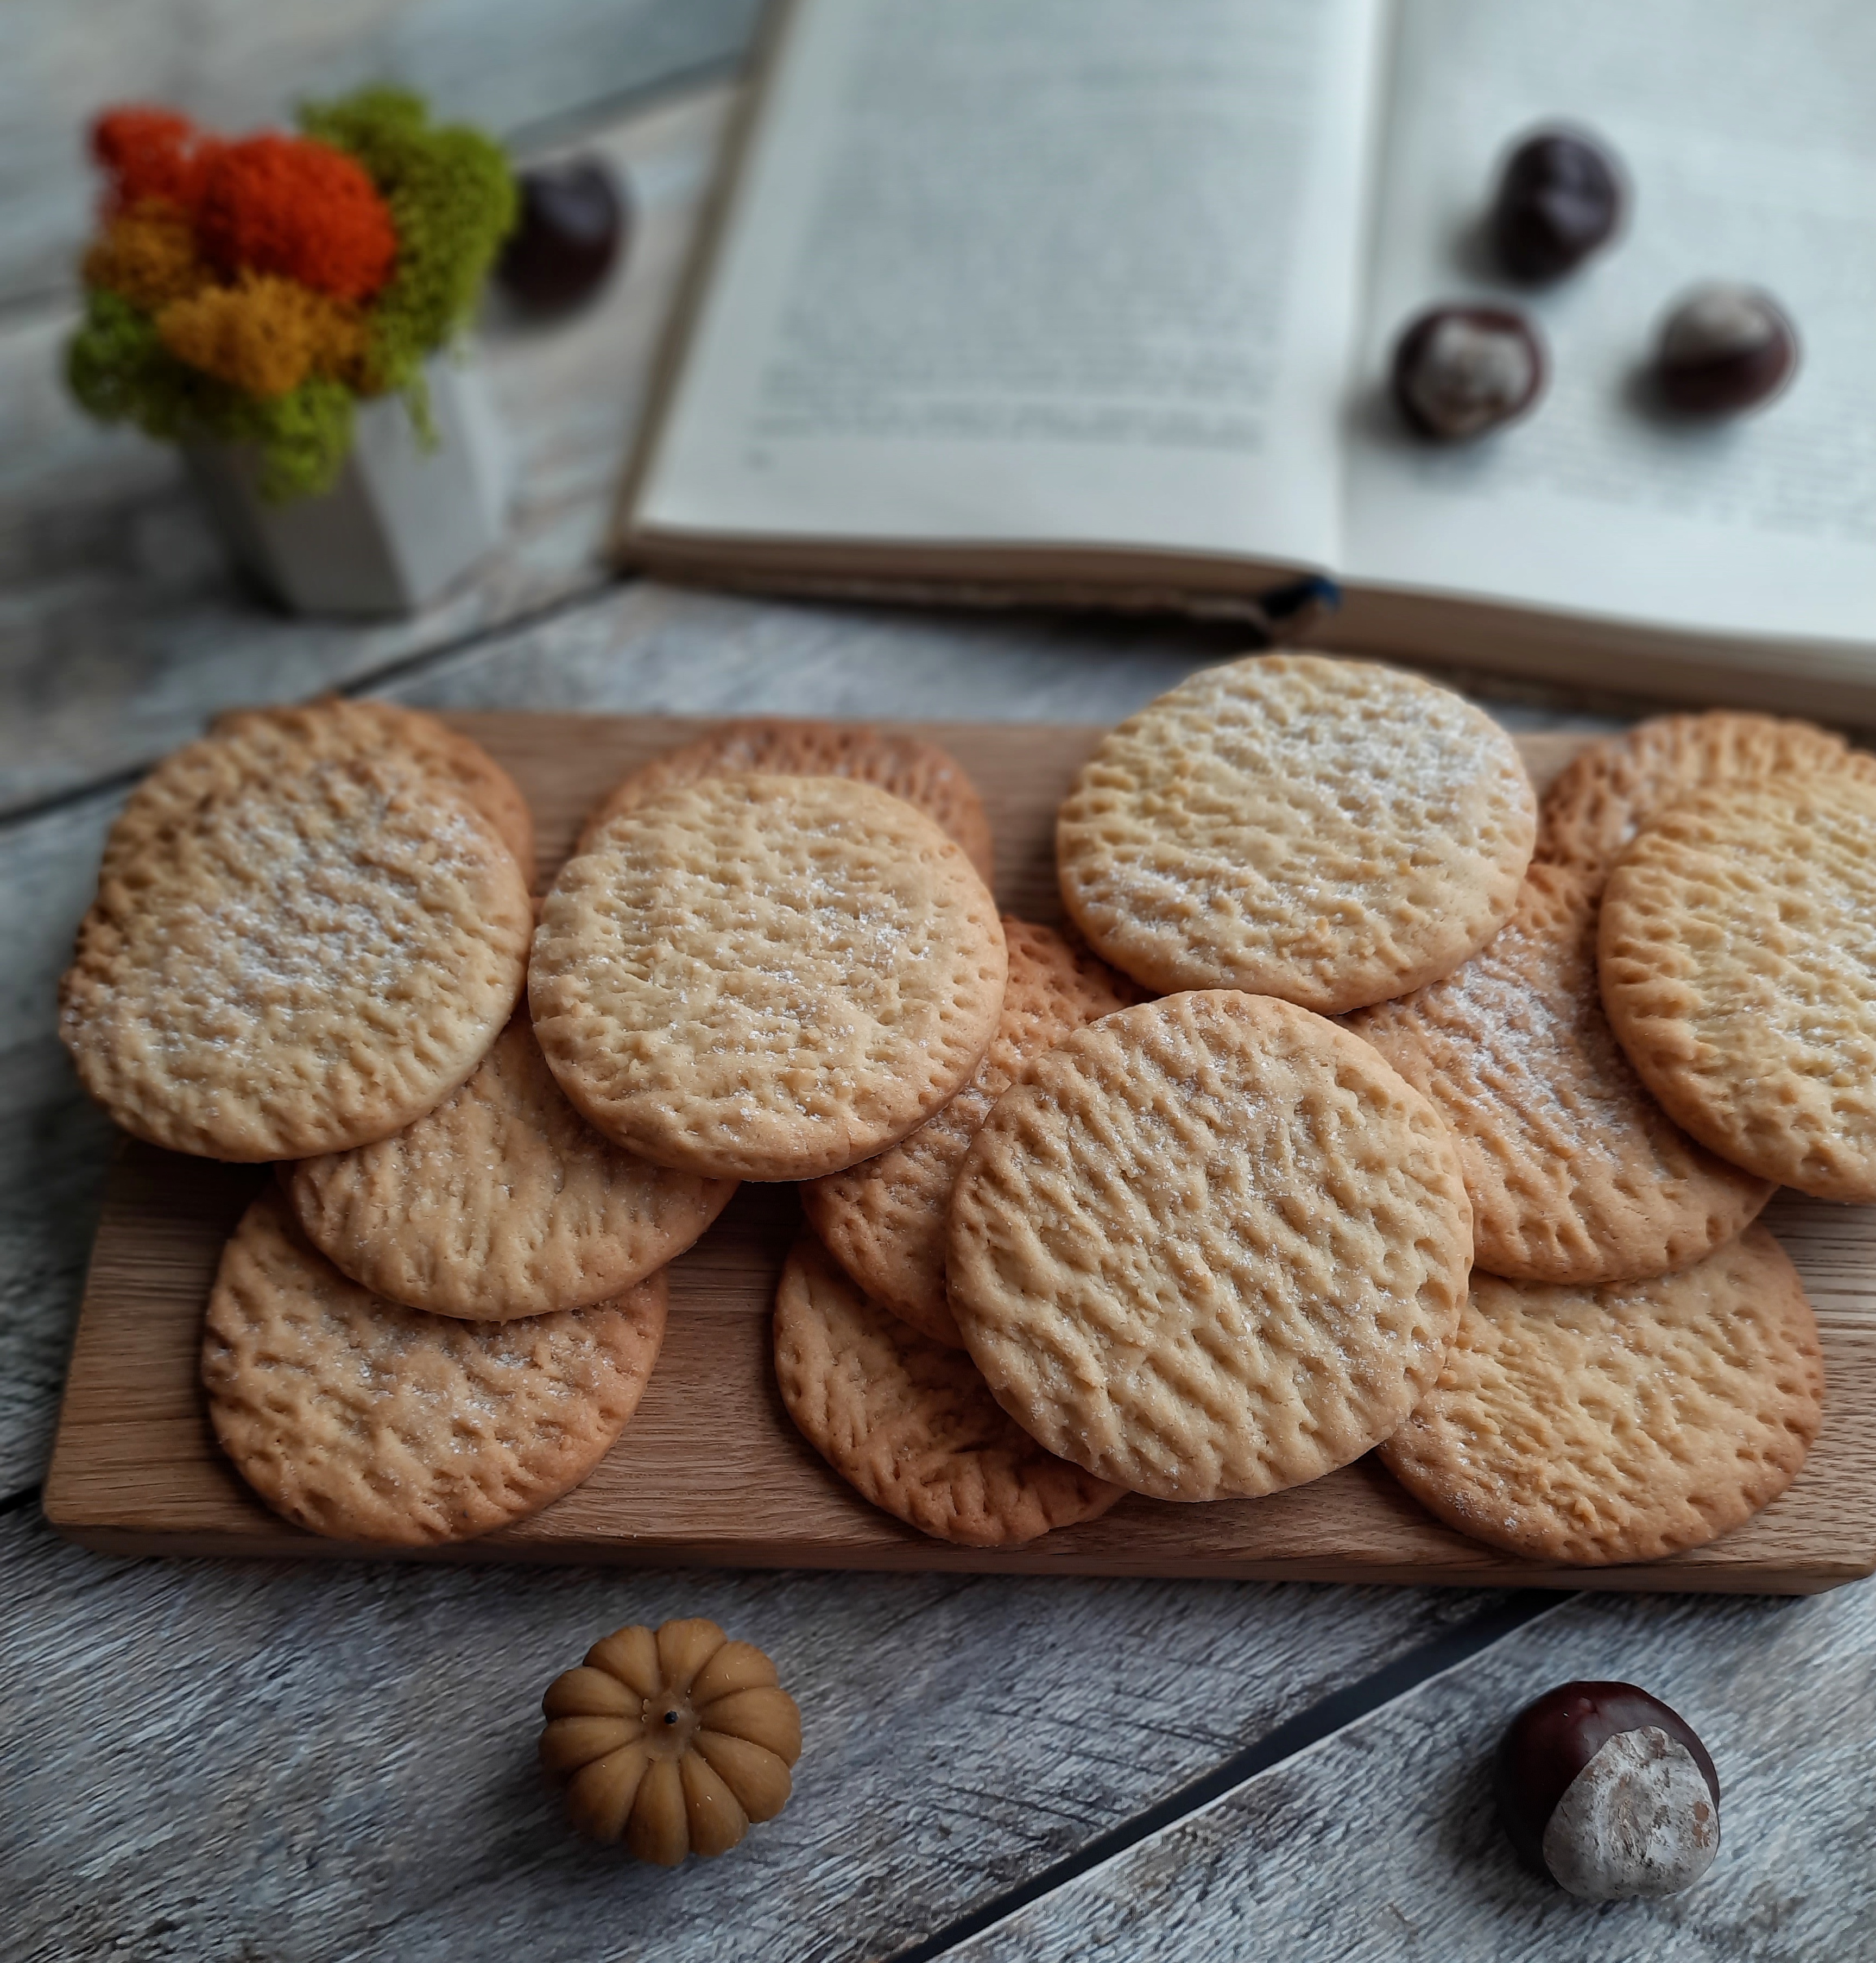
(452, 200)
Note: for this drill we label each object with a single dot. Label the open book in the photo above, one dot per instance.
(1094, 300)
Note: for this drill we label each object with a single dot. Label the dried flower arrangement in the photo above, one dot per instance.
(254, 289)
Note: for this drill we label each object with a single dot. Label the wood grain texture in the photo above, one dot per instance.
(55, 1145)
(237, 65)
(711, 1471)
(1381, 1845)
(305, 1764)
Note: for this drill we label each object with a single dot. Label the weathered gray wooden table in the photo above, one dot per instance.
(253, 1762)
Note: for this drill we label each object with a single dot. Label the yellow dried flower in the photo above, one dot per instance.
(341, 336)
(147, 256)
(264, 335)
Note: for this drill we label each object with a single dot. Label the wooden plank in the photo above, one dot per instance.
(135, 1469)
(1382, 1843)
(311, 1763)
(55, 1150)
(237, 66)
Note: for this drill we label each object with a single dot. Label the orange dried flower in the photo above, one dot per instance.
(289, 206)
(263, 335)
(151, 153)
(147, 254)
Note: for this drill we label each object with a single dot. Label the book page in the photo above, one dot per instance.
(1065, 271)
(1749, 133)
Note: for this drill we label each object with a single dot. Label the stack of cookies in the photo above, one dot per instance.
(1355, 1108)
(774, 956)
(313, 945)
(1430, 1128)
(308, 947)
(1190, 1237)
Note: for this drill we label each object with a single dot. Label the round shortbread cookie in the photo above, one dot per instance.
(1738, 961)
(1575, 1173)
(357, 1418)
(883, 1220)
(502, 1202)
(1603, 796)
(1586, 1426)
(908, 1423)
(248, 747)
(1328, 831)
(766, 977)
(300, 967)
(1211, 1245)
(921, 773)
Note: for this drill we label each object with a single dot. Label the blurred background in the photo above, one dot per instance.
(519, 70)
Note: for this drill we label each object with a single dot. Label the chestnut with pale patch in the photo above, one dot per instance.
(1724, 349)
(1461, 372)
(1560, 197)
(1610, 1792)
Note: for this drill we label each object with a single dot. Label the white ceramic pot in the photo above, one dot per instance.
(402, 521)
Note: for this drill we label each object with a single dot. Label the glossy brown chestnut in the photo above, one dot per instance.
(1604, 1788)
(573, 219)
(1459, 371)
(1560, 199)
(1723, 349)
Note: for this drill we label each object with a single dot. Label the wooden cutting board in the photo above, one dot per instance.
(710, 1471)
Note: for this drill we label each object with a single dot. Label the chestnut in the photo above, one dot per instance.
(1724, 348)
(566, 236)
(1459, 371)
(1610, 1793)
(1560, 199)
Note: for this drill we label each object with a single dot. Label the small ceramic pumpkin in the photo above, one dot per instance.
(674, 1741)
